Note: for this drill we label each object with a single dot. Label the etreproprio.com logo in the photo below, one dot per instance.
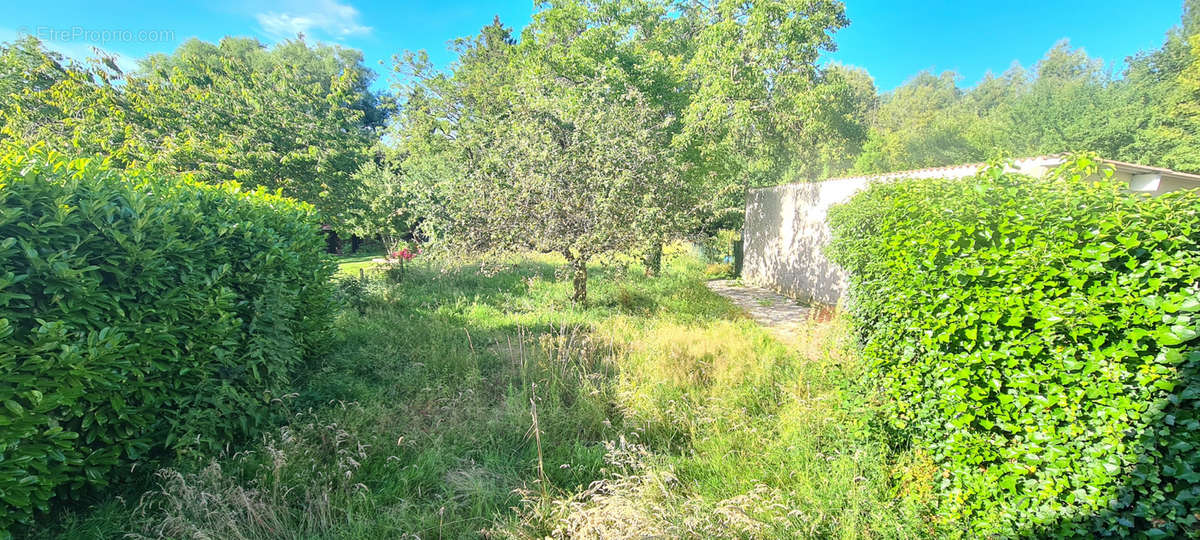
(98, 35)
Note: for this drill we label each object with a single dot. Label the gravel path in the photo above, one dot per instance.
(776, 312)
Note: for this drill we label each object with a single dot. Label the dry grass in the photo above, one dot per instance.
(467, 404)
(733, 434)
(212, 504)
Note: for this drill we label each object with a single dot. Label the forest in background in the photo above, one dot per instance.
(601, 126)
(496, 398)
(302, 116)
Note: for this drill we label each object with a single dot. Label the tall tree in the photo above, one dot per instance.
(1159, 90)
(67, 105)
(754, 110)
(922, 123)
(295, 117)
(1186, 156)
(1069, 106)
(611, 123)
(536, 146)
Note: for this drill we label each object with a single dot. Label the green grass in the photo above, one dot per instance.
(350, 265)
(463, 404)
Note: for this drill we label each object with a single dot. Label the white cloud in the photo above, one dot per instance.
(327, 16)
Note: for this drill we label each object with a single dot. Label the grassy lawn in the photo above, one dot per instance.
(349, 265)
(464, 404)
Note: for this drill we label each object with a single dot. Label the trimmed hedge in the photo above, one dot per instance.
(142, 317)
(1039, 337)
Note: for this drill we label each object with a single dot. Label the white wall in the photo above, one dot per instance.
(784, 236)
(785, 231)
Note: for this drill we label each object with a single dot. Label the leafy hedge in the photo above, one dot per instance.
(141, 317)
(1039, 336)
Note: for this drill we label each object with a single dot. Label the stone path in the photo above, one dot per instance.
(779, 314)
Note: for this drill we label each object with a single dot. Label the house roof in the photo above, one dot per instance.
(1142, 169)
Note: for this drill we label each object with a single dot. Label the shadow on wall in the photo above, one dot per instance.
(785, 234)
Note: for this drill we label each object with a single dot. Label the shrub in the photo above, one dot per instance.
(394, 273)
(142, 317)
(352, 291)
(1038, 337)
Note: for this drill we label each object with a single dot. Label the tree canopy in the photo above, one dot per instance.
(604, 125)
(293, 117)
(1068, 101)
(608, 124)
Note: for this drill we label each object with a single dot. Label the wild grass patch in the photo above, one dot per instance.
(469, 403)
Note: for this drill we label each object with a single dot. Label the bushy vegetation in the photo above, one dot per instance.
(1039, 338)
(1142, 112)
(641, 120)
(1036, 337)
(708, 96)
(142, 318)
(610, 126)
(296, 117)
(465, 404)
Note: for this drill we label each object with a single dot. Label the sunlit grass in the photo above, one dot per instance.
(659, 409)
(352, 264)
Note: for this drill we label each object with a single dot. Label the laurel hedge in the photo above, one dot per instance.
(142, 317)
(1038, 337)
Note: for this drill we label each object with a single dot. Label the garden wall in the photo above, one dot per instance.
(784, 236)
(785, 230)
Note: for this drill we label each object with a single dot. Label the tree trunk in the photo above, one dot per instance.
(652, 259)
(579, 267)
(333, 242)
(354, 243)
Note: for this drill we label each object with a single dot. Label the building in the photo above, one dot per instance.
(785, 231)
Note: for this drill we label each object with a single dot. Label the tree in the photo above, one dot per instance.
(922, 123)
(848, 98)
(1068, 102)
(295, 117)
(1159, 88)
(516, 150)
(66, 105)
(380, 201)
(609, 124)
(754, 109)
(1186, 156)
(1069, 106)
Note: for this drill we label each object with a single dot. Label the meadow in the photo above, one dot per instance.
(465, 402)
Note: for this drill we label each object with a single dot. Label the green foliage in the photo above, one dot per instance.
(380, 201)
(753, 85)
(293, 117)
(352, 291)
(1038, 336)
(551, 148)
(719, 271)
(920, 123)
(142, 317)
(661, 411)
(613, 125)
(1066, 102)
(719, 247)
(394, 272)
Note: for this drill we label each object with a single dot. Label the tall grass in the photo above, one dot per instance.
(463, 403)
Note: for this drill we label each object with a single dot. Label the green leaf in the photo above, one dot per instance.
(14, 407)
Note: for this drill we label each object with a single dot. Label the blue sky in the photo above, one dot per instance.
(892, 39)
